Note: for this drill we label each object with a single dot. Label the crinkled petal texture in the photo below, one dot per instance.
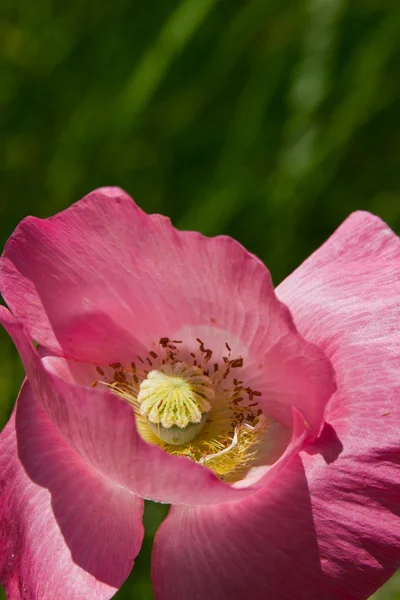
(65, 530)
(329, 527)
(102, 281)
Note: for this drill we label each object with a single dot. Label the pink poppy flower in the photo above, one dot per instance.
(168, 368)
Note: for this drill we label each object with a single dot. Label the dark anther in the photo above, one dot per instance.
(226, 373)
(238, 362)
(120, 377)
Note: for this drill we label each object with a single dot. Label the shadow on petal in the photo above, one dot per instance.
(95, 338)
(328, 445)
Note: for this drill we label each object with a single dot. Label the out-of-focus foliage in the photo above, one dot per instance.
(270, 121)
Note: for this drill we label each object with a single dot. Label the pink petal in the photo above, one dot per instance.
(261, 547)
(286, 542)
(346, 299)
(296, 374)
(65, 530)
(102, 281)
(328, 526)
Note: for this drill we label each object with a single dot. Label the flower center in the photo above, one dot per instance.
(176, 400)
(192, 404)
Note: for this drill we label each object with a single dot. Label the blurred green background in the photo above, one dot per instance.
(270, 121)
